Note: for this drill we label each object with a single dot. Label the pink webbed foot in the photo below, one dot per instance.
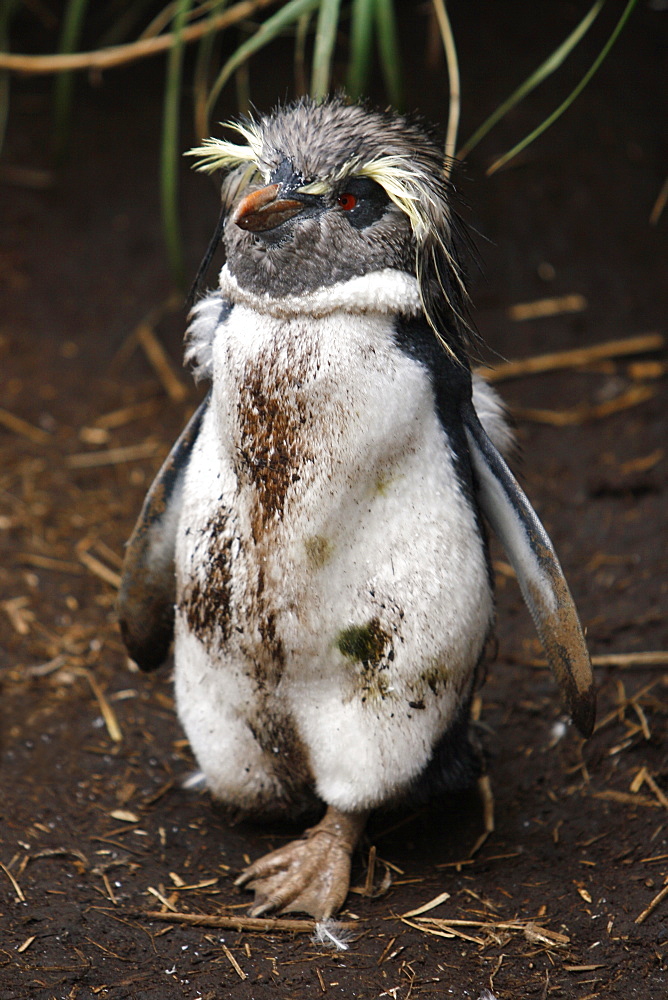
(312, 874)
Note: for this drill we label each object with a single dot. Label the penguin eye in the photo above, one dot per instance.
(346, 201)
(363, 201)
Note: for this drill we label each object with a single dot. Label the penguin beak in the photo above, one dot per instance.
(261, 210)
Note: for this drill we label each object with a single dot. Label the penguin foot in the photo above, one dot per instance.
(311, 874)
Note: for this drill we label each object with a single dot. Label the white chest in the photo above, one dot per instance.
(330, 571)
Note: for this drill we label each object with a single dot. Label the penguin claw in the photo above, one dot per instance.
(311, 875)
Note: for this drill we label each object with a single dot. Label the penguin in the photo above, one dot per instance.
(315, 545)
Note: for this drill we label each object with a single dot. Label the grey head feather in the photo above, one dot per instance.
(322, 146)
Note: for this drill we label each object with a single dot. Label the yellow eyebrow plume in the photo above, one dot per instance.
(219, 154)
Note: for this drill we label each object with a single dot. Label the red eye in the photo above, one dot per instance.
(346, 202)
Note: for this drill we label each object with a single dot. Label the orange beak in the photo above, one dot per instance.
(260, 211)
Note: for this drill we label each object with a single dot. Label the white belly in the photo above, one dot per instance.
(332, 588)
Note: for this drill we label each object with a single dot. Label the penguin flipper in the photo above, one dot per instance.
(539, 574)
(148, 588)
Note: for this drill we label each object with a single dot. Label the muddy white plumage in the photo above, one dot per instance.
(315, 540)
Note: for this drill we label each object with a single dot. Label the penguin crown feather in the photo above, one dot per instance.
(331, 142)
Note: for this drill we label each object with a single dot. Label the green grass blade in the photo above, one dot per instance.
(303, 25)
(6, 13)
(361, 37)
(201, 74)
(571, 97)
(452, 62)
(161, 21)
(552, 63)
(266, 33)
(64, 85)
(169, 158)
(242, 84)
(125, 22)
(388, 47)
(325, 40)
(4, 105)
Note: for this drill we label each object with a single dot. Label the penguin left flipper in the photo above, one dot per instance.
(146, 597)
(539, 574)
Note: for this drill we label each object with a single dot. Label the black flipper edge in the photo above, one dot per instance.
(539, 574)
(148, 588)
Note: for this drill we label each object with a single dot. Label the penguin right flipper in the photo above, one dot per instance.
(148, 588)
(539, 574)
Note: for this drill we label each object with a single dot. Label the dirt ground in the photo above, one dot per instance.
(95, 826)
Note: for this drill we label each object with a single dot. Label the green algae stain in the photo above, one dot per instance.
(364, 643)
(382, 483)
(434, 678)
(432, 681)
(318, 550)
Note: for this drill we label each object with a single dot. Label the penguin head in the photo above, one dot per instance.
(325, 191)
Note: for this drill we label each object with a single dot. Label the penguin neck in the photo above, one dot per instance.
(385, 292)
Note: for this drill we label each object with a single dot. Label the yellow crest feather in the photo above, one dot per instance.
(219, 154)
(394, 176)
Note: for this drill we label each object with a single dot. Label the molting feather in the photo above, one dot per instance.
(200, 335)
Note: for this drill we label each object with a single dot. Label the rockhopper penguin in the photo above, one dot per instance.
(315, 543)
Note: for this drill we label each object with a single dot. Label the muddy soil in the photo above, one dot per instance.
(96, 829)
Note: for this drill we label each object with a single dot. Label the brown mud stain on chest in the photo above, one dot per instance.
(207, 605)
(273, 439)
(268, 665)
(288, 757)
